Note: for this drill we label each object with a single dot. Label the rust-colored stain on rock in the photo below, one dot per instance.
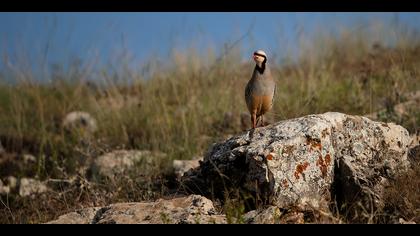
(327, 159)
(269, 157)
(285, 184)
(313, 143)
(300, 168)
(323, 164)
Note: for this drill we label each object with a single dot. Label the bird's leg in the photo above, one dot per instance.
(254, 120)
(262, 121)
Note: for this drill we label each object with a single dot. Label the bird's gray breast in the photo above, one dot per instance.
(263, 86)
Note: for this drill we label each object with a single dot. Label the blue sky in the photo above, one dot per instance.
(56, 37)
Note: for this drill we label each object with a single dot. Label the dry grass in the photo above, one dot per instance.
(403, 196)
(184, 108)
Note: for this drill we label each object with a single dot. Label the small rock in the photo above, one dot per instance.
(30, 187)
(9, 186)
(4, 189)
(268, 215)
(402, 221)
(79, 120)
(83, 216)
(192, 209)
(182, 166)
(117, 162)
(12, 182)
(28, 158)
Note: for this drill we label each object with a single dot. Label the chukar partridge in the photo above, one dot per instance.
(260, 90)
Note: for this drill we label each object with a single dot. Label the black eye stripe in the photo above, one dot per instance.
(257, 54)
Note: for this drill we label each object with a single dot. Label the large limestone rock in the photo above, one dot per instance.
(305, 162)
(181, 210)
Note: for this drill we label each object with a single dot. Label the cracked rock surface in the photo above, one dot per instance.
(306, 161)
(181, 210)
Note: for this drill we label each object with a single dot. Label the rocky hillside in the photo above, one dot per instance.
(307, 169)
